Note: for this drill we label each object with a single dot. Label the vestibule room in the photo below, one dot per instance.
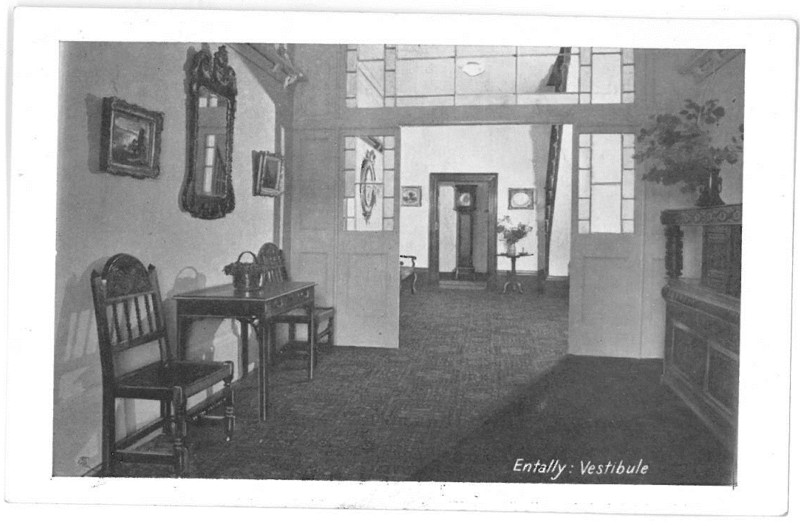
(398, 262)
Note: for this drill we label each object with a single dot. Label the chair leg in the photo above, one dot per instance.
(230, 417)
(311, 336)
(166, 411)
(414, 283)
(109, 435)
(179, 450)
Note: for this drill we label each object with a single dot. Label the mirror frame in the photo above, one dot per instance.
(214, 74)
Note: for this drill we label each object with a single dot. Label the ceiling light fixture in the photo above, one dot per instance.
(473, 68)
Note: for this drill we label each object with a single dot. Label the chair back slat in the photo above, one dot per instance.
(115, 334)
(149, 312)
(271, 257)
(124, 293)
(138, 314)
(127, 313)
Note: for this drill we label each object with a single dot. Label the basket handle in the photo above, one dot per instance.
(239, 259)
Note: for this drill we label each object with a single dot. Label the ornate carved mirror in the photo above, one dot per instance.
(208, 190)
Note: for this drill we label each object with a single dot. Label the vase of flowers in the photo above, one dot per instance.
(511, 233)
(681, 149)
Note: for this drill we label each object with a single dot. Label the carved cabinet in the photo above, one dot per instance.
(701, 355)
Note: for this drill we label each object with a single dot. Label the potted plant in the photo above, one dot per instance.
(680, 149)
(512, 233)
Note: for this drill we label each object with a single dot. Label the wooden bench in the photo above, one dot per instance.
(409, 273)
(272, 258)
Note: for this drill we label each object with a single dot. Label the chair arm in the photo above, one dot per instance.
(412, 258)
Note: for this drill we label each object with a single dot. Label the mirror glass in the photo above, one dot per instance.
(211, 143)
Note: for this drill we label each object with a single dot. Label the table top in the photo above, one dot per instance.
(227, 292)
(514, 256)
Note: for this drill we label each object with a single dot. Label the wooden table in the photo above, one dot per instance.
(511, 279)
(256, 308)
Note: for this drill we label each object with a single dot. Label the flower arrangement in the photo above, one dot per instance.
(512, 233)
(680, 149)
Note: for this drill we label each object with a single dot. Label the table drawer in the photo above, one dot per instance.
(289, 301)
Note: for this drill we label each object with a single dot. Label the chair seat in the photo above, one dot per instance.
(299, 315)
(157, 380)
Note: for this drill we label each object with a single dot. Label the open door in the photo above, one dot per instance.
(605, 301)
(343, 232)
(368, 246)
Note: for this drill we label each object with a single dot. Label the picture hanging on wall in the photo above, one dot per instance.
(267, 174)
(521, 198)
(411, 196)
(130, 139)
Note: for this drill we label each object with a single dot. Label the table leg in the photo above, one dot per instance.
(263, 369)
(245, 332)
(272, 349)
(312, 341)
(180, 350)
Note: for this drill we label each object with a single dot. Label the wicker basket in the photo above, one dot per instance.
(246, 276)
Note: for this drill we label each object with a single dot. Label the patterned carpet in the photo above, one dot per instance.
(460, 399)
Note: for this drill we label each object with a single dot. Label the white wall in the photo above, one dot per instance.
(448, 227)
(100, 214)
(505, 150)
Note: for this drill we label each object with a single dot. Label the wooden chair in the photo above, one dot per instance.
(128, 309)
(409, 273)
(272, 258)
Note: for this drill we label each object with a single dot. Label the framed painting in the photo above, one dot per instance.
(521, 198)
(267, 174)
(411, 196)
(130, 139)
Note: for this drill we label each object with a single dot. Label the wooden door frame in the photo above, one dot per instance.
(436, 179)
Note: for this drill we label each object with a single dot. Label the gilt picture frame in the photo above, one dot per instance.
(268, 174)
(130, 140)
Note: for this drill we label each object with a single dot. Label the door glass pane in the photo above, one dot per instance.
(605, 208)
(368, 183)
(627, 209)
(584, 183)
(606, 158)
(606, 185)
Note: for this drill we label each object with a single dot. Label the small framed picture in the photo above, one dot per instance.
(411, 196)
(267, 174)
(521, 198)
(130, 139)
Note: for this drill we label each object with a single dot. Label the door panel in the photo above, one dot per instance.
(368, 241)
(356, 272)
(605, 315)
(311, 241)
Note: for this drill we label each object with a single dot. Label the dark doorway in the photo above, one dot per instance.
(484, 240)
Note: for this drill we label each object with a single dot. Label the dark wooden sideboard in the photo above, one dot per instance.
(701, 355)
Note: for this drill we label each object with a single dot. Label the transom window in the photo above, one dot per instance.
(422, 75)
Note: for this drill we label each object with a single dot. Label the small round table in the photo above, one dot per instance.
(511, 278)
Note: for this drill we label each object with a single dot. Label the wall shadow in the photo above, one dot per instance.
(77, 379)
(94, 119)
(200, 337)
